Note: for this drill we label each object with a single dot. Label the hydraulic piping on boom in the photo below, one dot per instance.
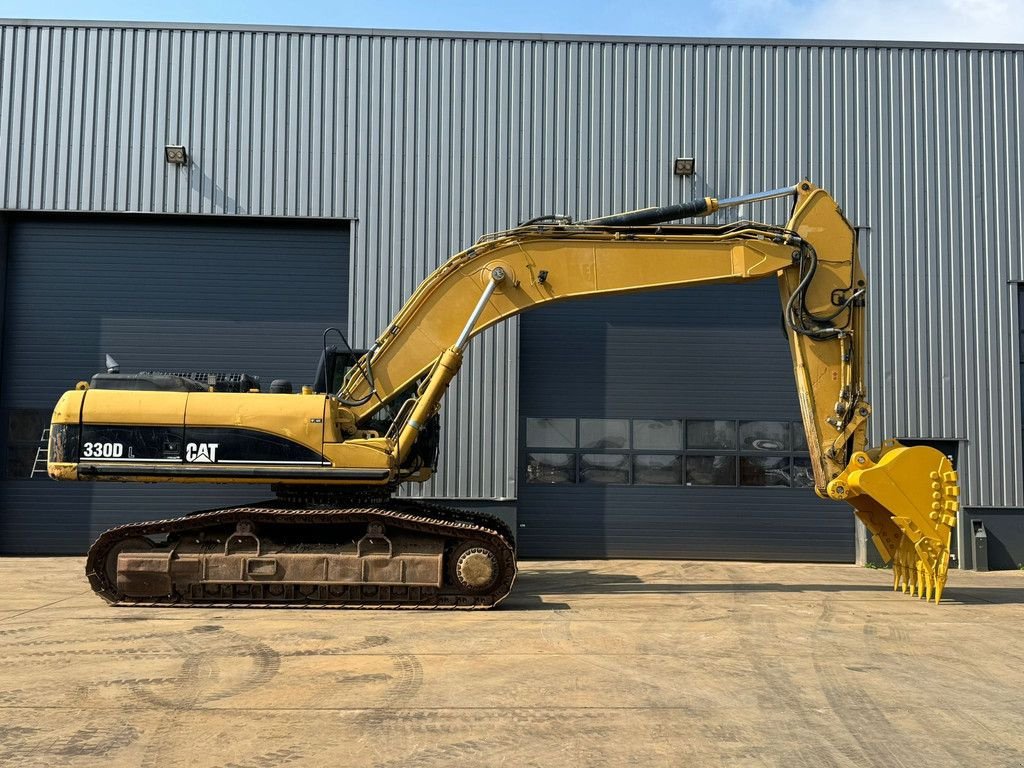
(887, 485)
(335, 536)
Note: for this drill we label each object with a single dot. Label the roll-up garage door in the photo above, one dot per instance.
(667, 425)
(171, 294)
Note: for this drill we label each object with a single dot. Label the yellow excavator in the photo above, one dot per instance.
(335, 453)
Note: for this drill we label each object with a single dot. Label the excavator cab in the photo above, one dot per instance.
(333, 367)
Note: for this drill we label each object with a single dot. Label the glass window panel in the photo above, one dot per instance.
(658, 434)
(551, 433)
(710, 434)
(764, 436)
(604, 468)
(799, 437)
(803, 475)
(711, 470)
(764, 470)
(551, 468)
(658, 469)
(604, 433)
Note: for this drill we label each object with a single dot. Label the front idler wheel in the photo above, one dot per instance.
(475, 567)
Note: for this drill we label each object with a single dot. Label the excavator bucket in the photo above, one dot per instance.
(908, 498)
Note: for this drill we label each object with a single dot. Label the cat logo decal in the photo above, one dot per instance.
(201, 453)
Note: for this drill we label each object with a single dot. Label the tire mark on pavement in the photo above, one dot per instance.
(899, 643)
(881, 743)
(79, 641)
(96, 741)
(205, 658)
(154, 653)
(370, 677)
(456, 753)
(19, 742)
(206, 653)
(791, 719)
(401, 685)
(277, 757)
(370, 641)
(19, 630)
(580, 733)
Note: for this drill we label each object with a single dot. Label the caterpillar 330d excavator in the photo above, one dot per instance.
(335, 453)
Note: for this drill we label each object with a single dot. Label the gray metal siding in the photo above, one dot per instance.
(430, 140)
(706, 353)
(225, 295)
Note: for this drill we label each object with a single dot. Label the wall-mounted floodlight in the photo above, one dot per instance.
(683, 166)
(175, 154)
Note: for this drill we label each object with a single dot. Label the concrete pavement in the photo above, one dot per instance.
(587, 664)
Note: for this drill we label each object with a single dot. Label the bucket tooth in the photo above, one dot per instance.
(908, 568)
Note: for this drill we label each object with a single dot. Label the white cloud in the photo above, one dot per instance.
(984, 21)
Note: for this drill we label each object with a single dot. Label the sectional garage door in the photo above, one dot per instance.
(173, 294)
(665, 425)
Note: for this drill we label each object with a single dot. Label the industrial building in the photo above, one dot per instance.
(210, 198)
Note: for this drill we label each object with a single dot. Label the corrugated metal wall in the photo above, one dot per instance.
(428, 140)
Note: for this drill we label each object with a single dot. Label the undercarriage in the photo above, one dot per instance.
(389, 554)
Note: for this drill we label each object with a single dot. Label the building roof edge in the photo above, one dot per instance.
(523, 36)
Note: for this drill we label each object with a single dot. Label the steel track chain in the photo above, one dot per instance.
(409, 515)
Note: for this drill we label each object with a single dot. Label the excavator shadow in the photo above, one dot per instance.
(984, 595)
(532, 588)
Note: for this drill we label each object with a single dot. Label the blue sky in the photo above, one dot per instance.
(997, 21)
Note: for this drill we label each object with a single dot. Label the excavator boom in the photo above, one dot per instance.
(380, 429)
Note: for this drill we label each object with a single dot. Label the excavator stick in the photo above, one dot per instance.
(908, 498)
